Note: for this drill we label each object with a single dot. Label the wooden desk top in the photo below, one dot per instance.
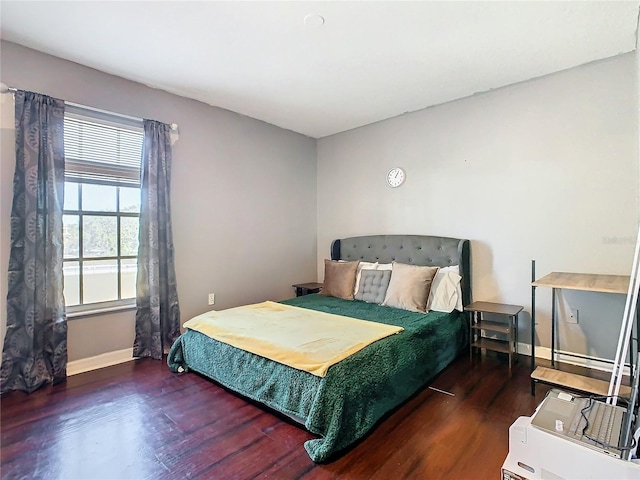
(574, 381)
(585, 281)
(498, 308)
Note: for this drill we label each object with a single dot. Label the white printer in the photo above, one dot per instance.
(558, 442)
(536, 454)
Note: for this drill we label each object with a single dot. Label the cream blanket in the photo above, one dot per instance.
(298, 337)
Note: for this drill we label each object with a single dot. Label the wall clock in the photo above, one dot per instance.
(396, 177)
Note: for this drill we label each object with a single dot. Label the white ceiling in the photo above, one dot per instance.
(367, 62)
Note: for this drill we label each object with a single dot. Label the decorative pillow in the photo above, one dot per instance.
(373, 285)
(446, 293)
(409, 287)
(384, 266)
(339, 279)
(363, 266)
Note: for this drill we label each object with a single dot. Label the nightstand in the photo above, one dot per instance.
(479, 328)
(306, 288)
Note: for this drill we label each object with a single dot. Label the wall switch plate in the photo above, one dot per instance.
(573, 316)
(212, 299)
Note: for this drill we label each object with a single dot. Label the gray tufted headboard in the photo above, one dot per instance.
(411, 249)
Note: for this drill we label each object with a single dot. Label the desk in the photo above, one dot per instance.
(571, 281)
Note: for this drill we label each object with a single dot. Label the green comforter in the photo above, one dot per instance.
(343, 406)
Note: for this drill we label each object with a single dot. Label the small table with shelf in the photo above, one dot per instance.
(307, 288)
(571, 281)
(509, 329)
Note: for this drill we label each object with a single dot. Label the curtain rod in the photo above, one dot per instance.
(4, 88)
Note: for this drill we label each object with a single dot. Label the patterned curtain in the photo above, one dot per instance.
(35, 345)
(157, 309)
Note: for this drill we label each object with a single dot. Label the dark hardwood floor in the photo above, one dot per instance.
(140, 421)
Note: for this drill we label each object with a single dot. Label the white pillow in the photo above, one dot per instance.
(384, 266)
(446, 292)
(363, 266)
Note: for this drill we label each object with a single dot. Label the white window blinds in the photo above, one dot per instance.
(99, 149)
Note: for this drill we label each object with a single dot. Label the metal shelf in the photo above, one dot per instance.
(490, 344)
(492, 327)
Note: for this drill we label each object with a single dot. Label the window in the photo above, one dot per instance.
(101, 209)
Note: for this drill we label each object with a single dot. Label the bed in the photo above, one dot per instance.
(343, 406)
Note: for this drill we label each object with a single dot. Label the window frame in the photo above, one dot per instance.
(93, 308)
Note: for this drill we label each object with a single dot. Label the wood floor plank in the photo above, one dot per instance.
(138, 420)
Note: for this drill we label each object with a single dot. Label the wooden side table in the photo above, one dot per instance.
(509, 328)
(307, 288)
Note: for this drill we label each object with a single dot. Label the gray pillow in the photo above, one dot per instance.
(339, 279)
(373, 285)
(409, 287)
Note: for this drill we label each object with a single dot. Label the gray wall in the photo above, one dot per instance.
(7, 165)
(243, 195)
(546, 169)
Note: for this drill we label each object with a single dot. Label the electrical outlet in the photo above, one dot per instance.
(212, 299)
(573, 316)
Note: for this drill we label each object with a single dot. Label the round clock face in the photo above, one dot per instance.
(395, 177)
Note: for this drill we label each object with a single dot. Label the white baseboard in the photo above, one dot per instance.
(99, 361)
(593, 362)
(121, 356)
